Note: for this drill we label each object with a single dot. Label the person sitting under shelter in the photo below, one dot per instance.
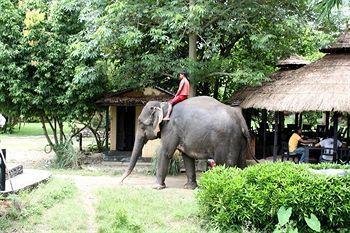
(328, 144)
(182, 93)
(293, 142)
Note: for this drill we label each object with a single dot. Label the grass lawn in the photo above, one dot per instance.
(58, 206)
(130, 209)
(52, 207)
(33, 129)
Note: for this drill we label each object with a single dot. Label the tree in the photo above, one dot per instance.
(40, 77)
(10, 31)
(146, 42)
(326, 6)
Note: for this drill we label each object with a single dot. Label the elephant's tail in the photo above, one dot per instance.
(246, 134)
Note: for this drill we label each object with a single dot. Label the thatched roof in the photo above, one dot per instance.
(320, 86)
(285, 65)
(134, 97)
(293, 62)
(342, 44)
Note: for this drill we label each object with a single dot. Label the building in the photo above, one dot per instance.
(124, 108)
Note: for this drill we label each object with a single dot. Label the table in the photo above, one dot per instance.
(342, 153)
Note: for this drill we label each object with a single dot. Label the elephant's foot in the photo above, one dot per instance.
(190, 185)
(159, 186)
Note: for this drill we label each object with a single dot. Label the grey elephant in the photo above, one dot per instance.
(200, 127)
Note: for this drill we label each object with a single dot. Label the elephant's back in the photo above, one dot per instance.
(204, 111)
(201, 105)
(201, 102)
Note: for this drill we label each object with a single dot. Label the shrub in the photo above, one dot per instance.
(174, 165)
(232, 197)
(66, 156)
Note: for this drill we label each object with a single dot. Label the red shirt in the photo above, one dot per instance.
(184, 88)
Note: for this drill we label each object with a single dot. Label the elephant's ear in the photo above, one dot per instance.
(158, 119)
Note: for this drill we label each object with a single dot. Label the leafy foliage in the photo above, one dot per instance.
(66, 156)
(146, 42)
(229, 196)
(174, 164)
(39, 76)
(288, 226)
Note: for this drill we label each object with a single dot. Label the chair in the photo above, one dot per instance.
(320, 130)
(343, 154)
(287, 154)
(291, 127)
(306, 127)
(328, 152)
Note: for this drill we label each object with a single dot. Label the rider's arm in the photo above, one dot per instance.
(180, 88)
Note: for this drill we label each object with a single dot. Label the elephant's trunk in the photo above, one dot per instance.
(140, 141)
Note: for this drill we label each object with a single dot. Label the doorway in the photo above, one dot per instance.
(125, 127)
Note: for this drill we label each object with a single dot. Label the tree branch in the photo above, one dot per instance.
(85, 126)
(42, 119)
(168, 75)
(218, 74)
(53, 129)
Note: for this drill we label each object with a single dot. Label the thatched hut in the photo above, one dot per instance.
(123, 108)
(286, 66)
(320, 86)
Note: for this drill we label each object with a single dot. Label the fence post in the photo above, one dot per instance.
(2, 169)
(80, 142)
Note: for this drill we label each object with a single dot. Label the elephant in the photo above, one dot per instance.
(200, 128)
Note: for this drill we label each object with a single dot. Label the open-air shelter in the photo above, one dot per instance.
(320, 86)
(286, 66)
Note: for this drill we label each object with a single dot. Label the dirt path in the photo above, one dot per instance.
(28, 151)
(87, 186)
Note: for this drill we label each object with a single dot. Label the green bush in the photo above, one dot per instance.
(174, 165)
(66, 156)
(230, 197)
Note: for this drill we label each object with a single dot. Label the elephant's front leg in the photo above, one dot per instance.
(190, 172)
(166, 152)
(162, 170)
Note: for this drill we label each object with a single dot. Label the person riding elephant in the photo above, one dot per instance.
(200, 127)
(182, 93)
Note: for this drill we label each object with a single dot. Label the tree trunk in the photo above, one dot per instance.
(42, 119)
(216, 88)
(192, 52)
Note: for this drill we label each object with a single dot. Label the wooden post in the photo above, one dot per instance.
(107, 130)
(348, 130)
(296, 121)
(335, 136)
(3, 171)
(264, 121)
(80, 142)
(300, 125)
(280, 126)
(327, 120)
(275, 138)
(247, 113)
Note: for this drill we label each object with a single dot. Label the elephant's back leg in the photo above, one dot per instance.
(243, 148)
(228, 153)
(190, 171)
